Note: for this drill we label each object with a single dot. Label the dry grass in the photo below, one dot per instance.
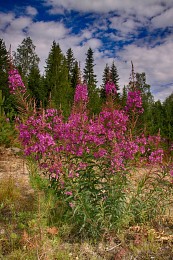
(27, 233)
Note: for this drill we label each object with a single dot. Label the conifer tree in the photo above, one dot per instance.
(75, 75)
(56, 79)
(36, 86)
(114, 75)
(25, 58)
(89, 76)
(168, 119)
(147, 99)
(4, 66)
(90, 80)
(105, 79)
(70, 63)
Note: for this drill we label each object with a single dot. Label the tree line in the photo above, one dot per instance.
(61, 75)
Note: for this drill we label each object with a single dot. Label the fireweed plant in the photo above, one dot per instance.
(89, 159)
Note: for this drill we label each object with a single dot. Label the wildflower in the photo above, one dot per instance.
(69, 193)
(134, 102)
(110, 88)
(156, 156)
(15, 82)
(81, 93)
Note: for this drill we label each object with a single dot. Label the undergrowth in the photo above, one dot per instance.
(37, 225)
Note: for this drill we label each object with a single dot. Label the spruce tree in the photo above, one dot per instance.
(56, 79)
(105, 79)
(147, 99)
(114, 75)
(8, 103)
(36, 86)
(75, 75)
(89, 76)
(70, 63)
(3, 68)
(168, 119)
(90, 80)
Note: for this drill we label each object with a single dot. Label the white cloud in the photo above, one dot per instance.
(31, 11)
(145, 8)
(51, 30)
(19, 24)
(125, 25)
(164, 19)
(157, 62)
(5, 19)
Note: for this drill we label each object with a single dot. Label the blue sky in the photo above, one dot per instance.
(119, 30)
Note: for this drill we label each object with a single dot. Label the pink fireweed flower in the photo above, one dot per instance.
(69, 193)
(156, 156)
(134, 102)
(15, 82)
(81, 93)
(110, 88)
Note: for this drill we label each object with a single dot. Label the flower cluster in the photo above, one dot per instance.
(110, 88)
(15, 82)
(134, 102)
(81, 93)
(63, 147)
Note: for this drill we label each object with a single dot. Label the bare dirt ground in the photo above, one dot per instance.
(13, 165)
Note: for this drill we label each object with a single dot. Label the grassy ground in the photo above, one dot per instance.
(29, 229)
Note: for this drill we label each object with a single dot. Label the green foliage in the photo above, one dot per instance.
(97, 204)
(76, 77)
(114, 75)
(168, 118)
(36, 87)
(1, 104)
(8, 103)
(57, 80)
(105, 79)
(8, 134)
(70, 63)
(89, 76)
(151, 196)
(91, 81)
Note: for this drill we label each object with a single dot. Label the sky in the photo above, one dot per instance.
(117, 30)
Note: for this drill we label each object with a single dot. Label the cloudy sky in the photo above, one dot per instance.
(120, 30)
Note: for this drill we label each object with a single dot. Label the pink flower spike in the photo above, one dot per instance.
(81, 93)
(110, 88)
(15, 82)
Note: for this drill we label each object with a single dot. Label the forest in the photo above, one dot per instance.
(61, 76)
(93, 164)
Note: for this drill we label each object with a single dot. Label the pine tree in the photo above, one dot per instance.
(114, 75)
(25, 58)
